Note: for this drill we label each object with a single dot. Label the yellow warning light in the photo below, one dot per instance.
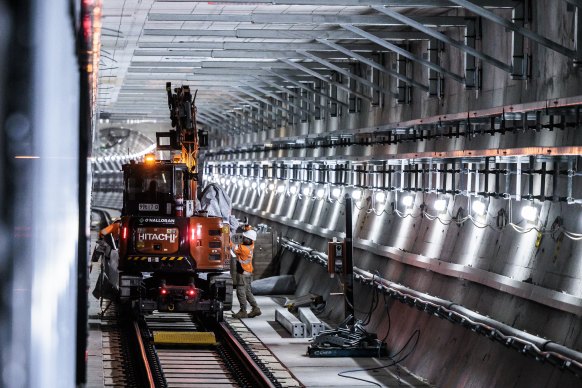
(150, 159)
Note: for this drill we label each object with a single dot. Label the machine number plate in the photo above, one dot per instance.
(149, 207)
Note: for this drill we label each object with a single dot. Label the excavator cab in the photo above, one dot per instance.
(154, 189)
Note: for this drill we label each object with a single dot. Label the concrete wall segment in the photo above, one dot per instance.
(449, 355)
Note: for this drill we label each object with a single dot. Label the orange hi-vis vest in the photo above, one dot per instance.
(244, 255)
(110, 229)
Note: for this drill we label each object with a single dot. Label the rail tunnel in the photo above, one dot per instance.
(438, 139)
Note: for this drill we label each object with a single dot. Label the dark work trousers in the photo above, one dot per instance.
(243, 291)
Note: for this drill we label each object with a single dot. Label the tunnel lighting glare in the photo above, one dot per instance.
(336, 192)
(247, 183)
(440, 205)
(408, 200)
(529, 213)
(479, 208)
(222, 181)
(239, 182)
(262, 186)
(380, 196)
(271, 186)
(293, 190)
(320, 193)
(306, 191)
(357, 195)
(254, 185)
(281, 189)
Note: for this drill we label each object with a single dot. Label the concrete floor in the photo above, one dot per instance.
(322, 372)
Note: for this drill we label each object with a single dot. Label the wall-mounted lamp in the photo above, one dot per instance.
(529, 213)
(479, 207)
(262, 186)
(440, 205)
(306, 191)
(408, 201)
(380, 196)
(336, 192)
(292, 189)
(357, 194)
(320, 193)
(271, 186)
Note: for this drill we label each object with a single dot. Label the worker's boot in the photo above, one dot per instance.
(255, 312)
(241, 314)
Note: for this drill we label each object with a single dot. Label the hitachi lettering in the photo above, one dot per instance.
(171, 237)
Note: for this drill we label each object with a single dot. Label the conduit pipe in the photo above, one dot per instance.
(540, 348)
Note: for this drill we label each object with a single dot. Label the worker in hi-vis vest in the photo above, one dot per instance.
(244, 275)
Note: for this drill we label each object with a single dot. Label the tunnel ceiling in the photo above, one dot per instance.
(260, 54)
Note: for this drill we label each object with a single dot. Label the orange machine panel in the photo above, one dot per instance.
(158, 240)
(209, 243)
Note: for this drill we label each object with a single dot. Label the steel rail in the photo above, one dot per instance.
(144, 356)
(221, 369)
(246, 360)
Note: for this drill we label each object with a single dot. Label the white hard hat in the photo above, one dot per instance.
(250, 234)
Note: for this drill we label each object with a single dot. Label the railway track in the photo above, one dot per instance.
(177, 351)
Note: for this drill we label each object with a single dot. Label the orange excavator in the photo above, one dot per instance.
(172, 256)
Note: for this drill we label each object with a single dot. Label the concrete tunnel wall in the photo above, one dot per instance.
(447, 354)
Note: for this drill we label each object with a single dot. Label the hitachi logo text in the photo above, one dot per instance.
(171, 237)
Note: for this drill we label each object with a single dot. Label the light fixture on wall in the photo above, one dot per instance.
(320, 193)
(529, 213)
(247, 183)
(336, 192)
(262, 186)
(293, 189)
(306, 191)
(479, 208)
(380, 197)
(254, 185)
(440, 205)
(271, 186)
(280, 188)
(357, 194)
(408, 201)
